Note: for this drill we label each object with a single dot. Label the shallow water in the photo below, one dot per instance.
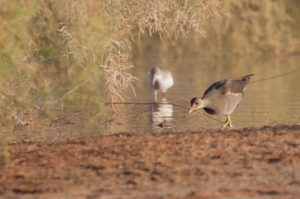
(273, 101)
(265, 102)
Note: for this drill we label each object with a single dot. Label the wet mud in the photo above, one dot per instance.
(258, 162)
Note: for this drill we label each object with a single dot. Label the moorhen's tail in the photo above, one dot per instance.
(246, 79)
(247, 76)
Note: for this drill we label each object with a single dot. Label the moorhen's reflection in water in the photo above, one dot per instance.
(161, 115)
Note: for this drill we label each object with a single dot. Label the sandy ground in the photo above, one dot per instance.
(261, 162)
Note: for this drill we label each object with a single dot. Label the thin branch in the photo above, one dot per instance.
(72, 90)
(275, 76)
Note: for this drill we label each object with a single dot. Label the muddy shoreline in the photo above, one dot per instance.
(260, 162)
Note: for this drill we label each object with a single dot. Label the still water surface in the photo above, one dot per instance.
(266, 102)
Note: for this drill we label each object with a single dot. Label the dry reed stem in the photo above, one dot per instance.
(167, 18)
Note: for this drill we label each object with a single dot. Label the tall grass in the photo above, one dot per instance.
(53, 52)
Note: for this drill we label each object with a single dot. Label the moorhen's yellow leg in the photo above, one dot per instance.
(227, 122)
(229, 119)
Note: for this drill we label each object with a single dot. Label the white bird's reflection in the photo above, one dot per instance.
(161, 115)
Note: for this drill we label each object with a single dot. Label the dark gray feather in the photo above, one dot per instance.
(209, 110)
(217, 85)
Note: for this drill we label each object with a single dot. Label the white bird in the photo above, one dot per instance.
(160, 80)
